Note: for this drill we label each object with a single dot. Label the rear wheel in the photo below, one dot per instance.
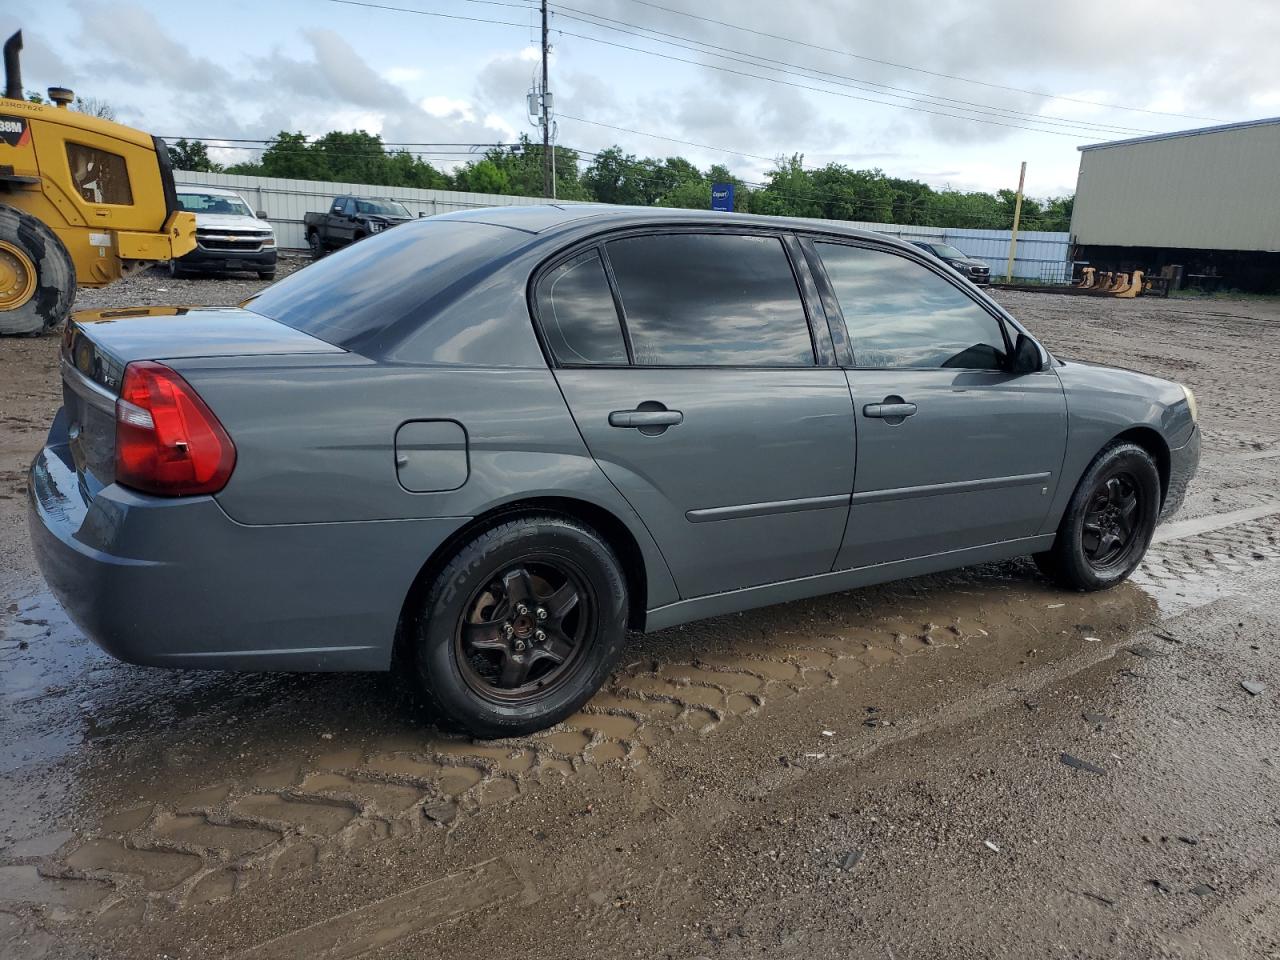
(522, 626)
(315, 244)
(1109, 522)
(37, 275)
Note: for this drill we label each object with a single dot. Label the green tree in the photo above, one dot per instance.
(191, 155)
(484, 176)
(617, 177)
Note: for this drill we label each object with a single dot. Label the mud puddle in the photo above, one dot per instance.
(158, 794)
(177, 790)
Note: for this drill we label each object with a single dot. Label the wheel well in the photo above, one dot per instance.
(1151, 441)
(613, 530)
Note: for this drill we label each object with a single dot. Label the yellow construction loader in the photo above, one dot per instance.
(82, 200)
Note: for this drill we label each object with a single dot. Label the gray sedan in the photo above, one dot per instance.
(485, 444)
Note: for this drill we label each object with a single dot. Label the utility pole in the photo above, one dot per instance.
(548, 162)
(1017, 216)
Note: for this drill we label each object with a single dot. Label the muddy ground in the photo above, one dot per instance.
(966, 765)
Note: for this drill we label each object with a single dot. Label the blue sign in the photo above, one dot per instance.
(722, 197)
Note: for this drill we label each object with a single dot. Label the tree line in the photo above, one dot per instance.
(834, 191)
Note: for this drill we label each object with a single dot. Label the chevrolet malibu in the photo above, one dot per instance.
(485, 444)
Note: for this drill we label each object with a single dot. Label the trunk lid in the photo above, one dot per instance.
(98, 344)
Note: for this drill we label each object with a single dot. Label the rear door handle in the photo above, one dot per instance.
(889, 411)
(645, 418)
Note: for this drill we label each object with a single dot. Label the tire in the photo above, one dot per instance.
(266, 274)
(1083, 556)
(316, 245)
(175, 271)
(483, 683)
(40, 272)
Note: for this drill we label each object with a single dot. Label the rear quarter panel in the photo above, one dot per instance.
(315, 442)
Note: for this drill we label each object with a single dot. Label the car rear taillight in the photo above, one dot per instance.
(168, 442)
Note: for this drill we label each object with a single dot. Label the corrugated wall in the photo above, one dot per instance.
(1213, 191)
(285, 201)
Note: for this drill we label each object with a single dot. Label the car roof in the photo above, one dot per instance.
(545, 218)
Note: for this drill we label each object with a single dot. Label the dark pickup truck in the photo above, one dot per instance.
(350, 219)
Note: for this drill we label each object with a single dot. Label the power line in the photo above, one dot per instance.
(433, 13)
(655, 136)
(931, 73)
(312, 140)
(723, 69)
(803, 86)
(857, 83)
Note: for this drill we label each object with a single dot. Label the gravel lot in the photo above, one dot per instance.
(886, 773)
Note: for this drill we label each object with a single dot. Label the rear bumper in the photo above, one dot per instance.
(202, 258)
(1182, 468)
(177, 583)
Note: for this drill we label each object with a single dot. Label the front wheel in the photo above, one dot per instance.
(522, 626)
(266, 274)
(37, 275)
(1109, 522)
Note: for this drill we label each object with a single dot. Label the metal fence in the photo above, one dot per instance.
(1040, 254)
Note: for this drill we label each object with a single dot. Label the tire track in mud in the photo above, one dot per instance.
(223, 839)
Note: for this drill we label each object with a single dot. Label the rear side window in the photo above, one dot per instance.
(902, 315)
(576, 311)
(710, 300)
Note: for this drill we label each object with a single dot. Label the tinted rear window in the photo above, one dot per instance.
(387, 285)
(711, 300)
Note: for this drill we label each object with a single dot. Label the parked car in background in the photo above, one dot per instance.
(230, 236)
(350, 219)
(971, 268)
(494, 440)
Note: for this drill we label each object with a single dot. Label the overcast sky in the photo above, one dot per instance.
(249, 68)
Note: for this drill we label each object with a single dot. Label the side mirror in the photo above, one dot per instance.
(421, 214)
(1026, 356)
(261, 214)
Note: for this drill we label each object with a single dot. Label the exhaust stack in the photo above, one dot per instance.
(12, 68)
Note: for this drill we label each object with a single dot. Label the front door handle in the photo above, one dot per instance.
(645, 418)
(889, 410)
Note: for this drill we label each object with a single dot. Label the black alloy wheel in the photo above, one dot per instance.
(1111, 521)
(522, 634)
(520, 625)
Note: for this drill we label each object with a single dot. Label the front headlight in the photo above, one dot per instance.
(268, 241)
(1191, 403)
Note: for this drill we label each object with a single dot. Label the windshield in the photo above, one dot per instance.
(214, 203)
(387, 208)
(947, 250)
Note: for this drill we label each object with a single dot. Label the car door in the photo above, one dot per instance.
(343, 222)
(688, 362)
(954, 450)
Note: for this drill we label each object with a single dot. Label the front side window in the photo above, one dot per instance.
(902, 315)
(710, 300)
(576, 311)
(101, 177)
